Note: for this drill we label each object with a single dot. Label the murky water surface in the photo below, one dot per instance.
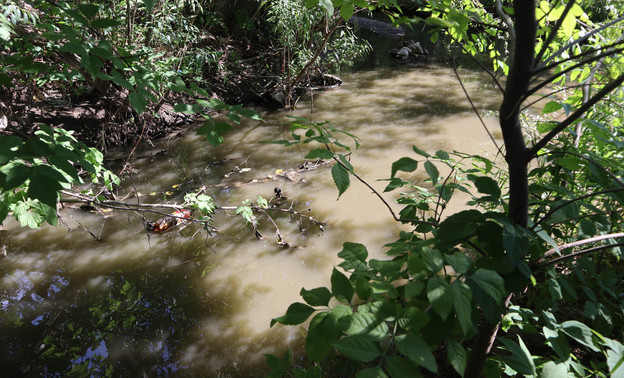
(195, 304)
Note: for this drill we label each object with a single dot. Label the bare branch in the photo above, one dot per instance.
(583, 242)
(418, 221)
(475, 109)
(579, 253)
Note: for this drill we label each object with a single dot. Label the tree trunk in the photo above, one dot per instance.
(515, 152)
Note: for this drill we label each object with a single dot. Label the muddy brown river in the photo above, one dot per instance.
(194, 304)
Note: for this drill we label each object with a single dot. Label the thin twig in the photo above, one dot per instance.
(579, 253)
(474, 108)
(419, 221)
(582, 242)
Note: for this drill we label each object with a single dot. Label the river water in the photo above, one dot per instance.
(200, 305)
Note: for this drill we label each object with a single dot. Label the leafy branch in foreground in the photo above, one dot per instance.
(481, 292)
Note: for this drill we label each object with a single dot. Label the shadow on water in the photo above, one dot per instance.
(188, 303)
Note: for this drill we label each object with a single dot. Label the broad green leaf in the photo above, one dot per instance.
(359, 348)
(520, 359)
(404, 164)
(554, 370)
(311, 3)
(13, 174)
(440, 295)
(369, 325)
(88, 10)
(400, 367)
(486, 185)
(432, 258)
(462, 302)
(297, 313)
(45, 183)
(456, 355)
(138, 102)
(328, 5)
(615, 359)
(459, 261)
(104, 23)
(432, 171)
(417, 350)
(459, 226)
(353, 251)
(551, 107)
(490, 282)
(320, 153)
(579, 332)
(341, 287)
(515, 240)
(341, 178)
(346, 11)
(319, 296)
(372, 372)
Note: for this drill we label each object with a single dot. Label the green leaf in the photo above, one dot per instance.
(372, 372)
(554, 370)
(615, 359)
(341, 287)
(432, 171)
(88, 10)
(319, 296)
(138, 102)
(459, 226)
(520, 359)
(490, 282)
(462, 301)
(579, 332)
(104, 23)
(369, 325)
(486, 185)
(320, 153)
(15, 174)
(400, 367)
(359, 348)
(346, 11)
(433, 260)
(551, 107)
(440, 295)
(395, 183)
(459, 261)
(325, 329)
(417, 350)
(328, 5)
(45, 183)
(456, 355)
(404, 164)
(341, 178)
(515, 240)
(420, 152)
(353, 251)
(297, 313)
(311, 3)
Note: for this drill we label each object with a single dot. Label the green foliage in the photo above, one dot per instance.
(313, 35)
(555, 284)
(34, 171)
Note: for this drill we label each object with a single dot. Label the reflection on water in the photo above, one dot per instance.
(194, 304)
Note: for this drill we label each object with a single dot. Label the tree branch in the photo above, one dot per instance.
(566, 203)
(553, 32)
(579, 253)
(574, 116)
